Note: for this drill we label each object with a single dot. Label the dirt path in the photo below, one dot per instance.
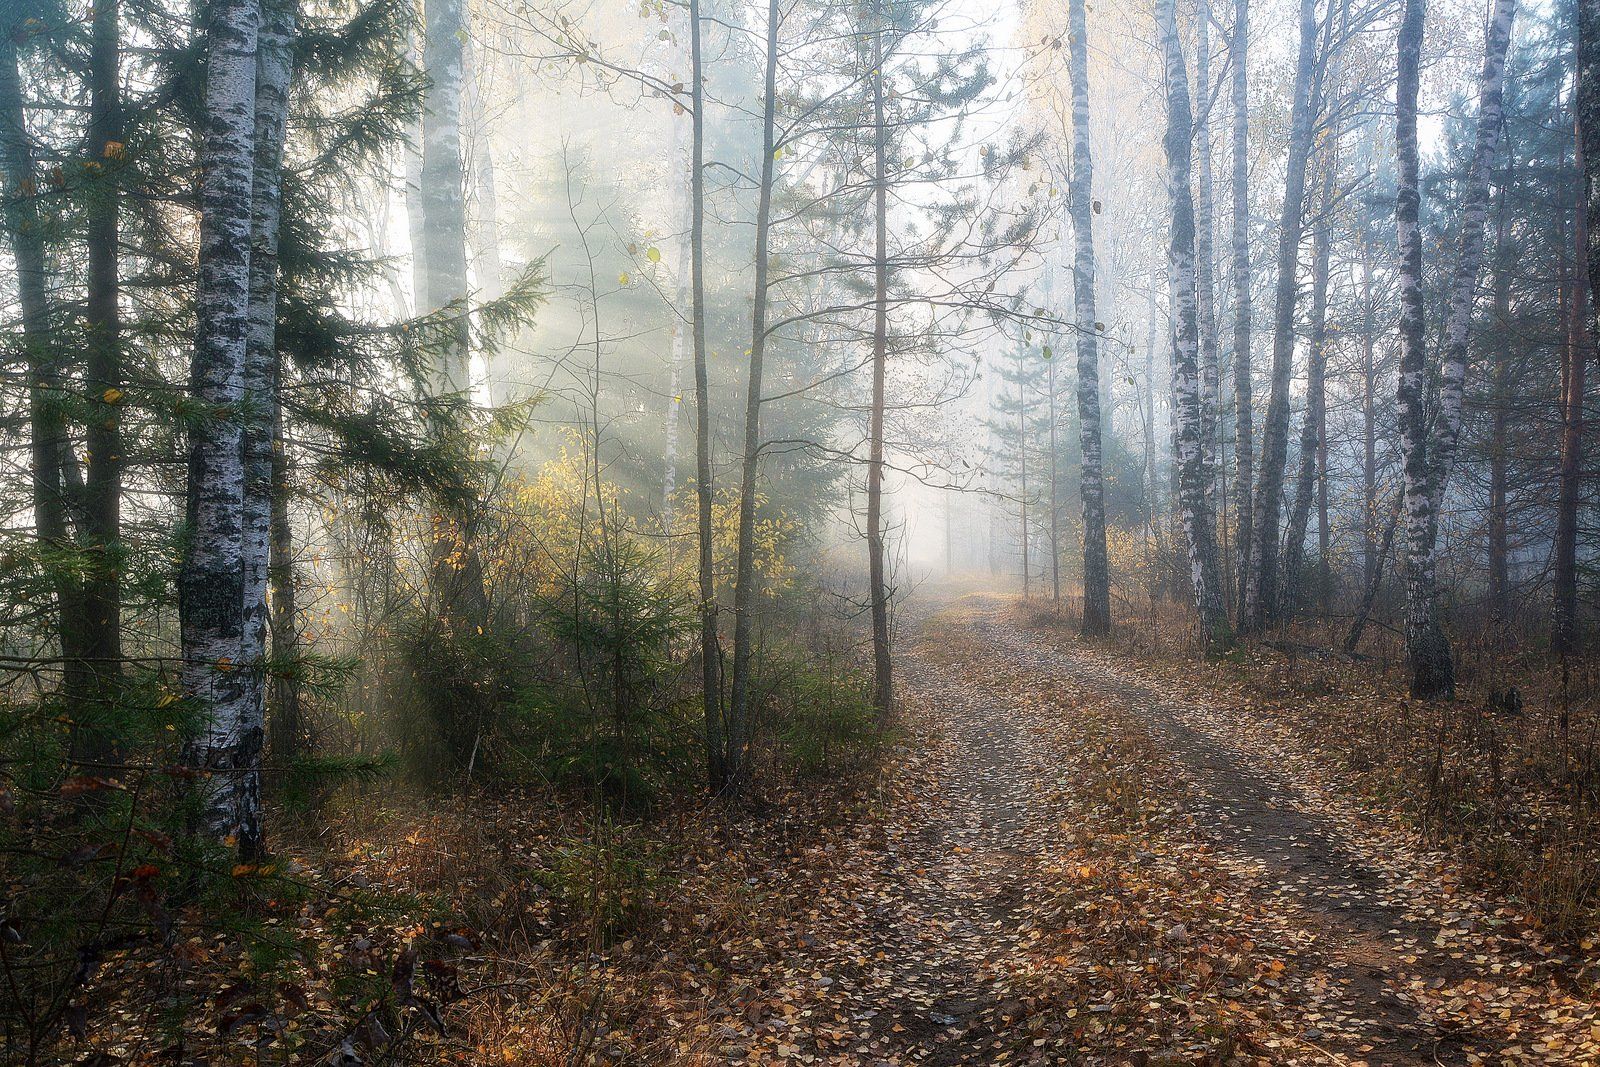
(1002, 918)
(1298, 856)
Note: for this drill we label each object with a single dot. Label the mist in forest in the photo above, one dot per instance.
(725, 531)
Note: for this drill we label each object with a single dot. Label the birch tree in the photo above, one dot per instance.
(1189, 452)
(1096, 575)
(259, 383)
(1243, 416)
(1427, 451)
(216, 674)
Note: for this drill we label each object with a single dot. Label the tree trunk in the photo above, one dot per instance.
(744, 592)
(1096, 573)
(1243, 417)
(710, 652)
(1189, 453)
(1053, 416)
(487, 273)
(24, 230)
(1022, 455)
(1428, 456)
(1369, 401)
(1575, 358)
(1499, 424)
(216, 676)
(101, 623)
(287, 718)
(882, 668)
(274, 56)
(442, 272)
(1311, 432)
(1204, 247)
(1261, 587)
(1588, 119)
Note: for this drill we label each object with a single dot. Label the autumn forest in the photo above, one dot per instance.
(862, 532)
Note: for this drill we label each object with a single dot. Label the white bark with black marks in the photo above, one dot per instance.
(274, 59)
(1428, 455)
(1188, 445)
(1096, 573)
(211, 580)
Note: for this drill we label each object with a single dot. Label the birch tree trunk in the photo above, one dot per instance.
(710, 654)
(1428, 457)
(1189, 451)
(1261, 587)
(882, 667)
(274, 57)
(744, 592)
(1096, 573)
(211, 580)
(1204, 245)
(1243, 372)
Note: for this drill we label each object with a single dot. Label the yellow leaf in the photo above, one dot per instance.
(653, 254)
(112, 395)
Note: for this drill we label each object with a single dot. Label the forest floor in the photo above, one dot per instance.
(1069, 852)
(1092, 862)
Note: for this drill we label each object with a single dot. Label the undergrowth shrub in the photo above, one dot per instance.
(819, 711)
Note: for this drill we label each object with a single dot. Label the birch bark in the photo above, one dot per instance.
(1096, 573)
(1189, 452)
(259, 380)
(211, 582)
(1428, 456)
(1243, 371)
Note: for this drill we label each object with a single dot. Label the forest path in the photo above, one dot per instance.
(1081, 867)
(1303, 866)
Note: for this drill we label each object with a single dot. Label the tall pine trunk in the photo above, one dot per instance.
(1428, 455)
(101, 624)
(744, 591)
(1261, 586)
(882, 667)
(1588, 120)
(47, 429)
(1189, 450)
(216, 674)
